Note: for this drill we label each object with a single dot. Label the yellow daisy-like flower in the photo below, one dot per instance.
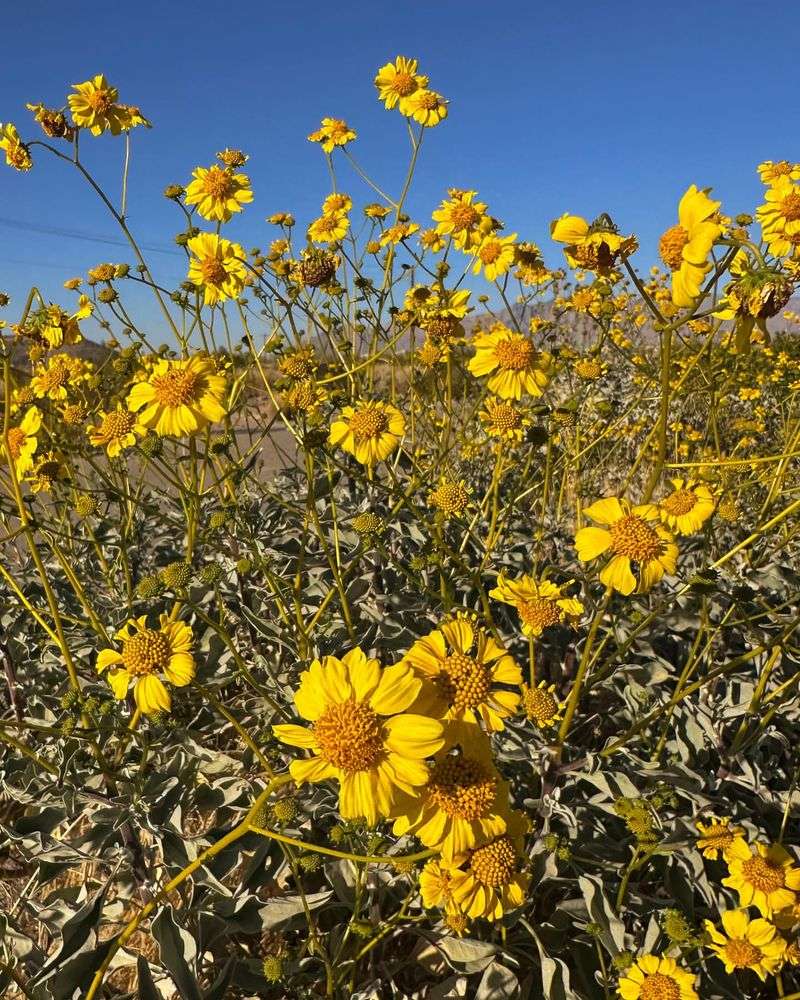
(463, 803)
(59, 328)
(770, 172)
(361, 734)
(329, 228)
(765, 876)
(460, 217)
(395, 234)
(654, 977)
(217, 266)
(218, 192)
(22, 441)
(426, 107)
(466, 667)
(337, 202)
(397, 81)
(779, 215)
(146, 654)
(494, 255)
(331, 133)
(540, 704)
(485, 881)
(60, 372)
(635, 537)
(179, 397)
(503, 420)
(370, 431)
(747, 944)
(717, 836)
(47, 472)
(116, 431)
(595, 247)
(685, 248)
(688, 507)
(17, 153)
(538, 603)
(451, 497)
(376, 211)
(512, 362)
(94, 106)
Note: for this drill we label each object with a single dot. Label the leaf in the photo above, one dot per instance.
(498, 983)
(78, 934)
(147, 988)
(555, 977)
(178, 951)
(219, 988)
(601, 912)
(464, 950)
(276, 911)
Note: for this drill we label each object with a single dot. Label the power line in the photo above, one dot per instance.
(74, 234)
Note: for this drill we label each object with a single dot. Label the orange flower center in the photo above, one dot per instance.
(539, 613)
(763, 874)
(490, 252)
(790, 206)
(368, 423)
(100, 101)
(515, 353)
(717, 836)
(634, 538)
(350, 736)
(680, 502)
(540, 706)
(441, 327)
(462, 787)
(428, 100)
(213, 271)
(54, 378)
(451, 498)
(495, 863)
(219, 183)
(16, 438)
(464, 682)
(404, 84)
(742, 953)
(671, 245)
(176, 387)
(463, 216)
(657, 986)
(145, 652)
(117, 424)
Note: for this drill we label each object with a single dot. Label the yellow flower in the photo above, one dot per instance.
(179, 397)
(331, 133)
(95, 107)
(538, 603)
(47, 471)
(770, 172)
(540, 704)
(397, 233)
(61, 371)
(635, 537)
(779, 216)
(361, 734)
(435, 882)
(17, 154)
(376, 211)
(465, 667)
(685, 248)
(53, 122)
(657, 978)
(595, 247)
(485, 881)
(463, 802)
(764, 876)
(397, 81)
(329, 228)
(717, 836)
(22, 441)
(216, 266)
(495, 255)
(147, 653)
(451, 497)
(688, 507)
(218, 192)
(460, 217)
(512, 362)
(370, 431)
(337, 203)
(116, 431)
(503, 420)
(426, 107)
(747, 944)
(304, 396)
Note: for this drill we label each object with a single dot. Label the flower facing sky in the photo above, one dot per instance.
(178, 398)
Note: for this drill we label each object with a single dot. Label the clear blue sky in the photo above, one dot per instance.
(582, 107)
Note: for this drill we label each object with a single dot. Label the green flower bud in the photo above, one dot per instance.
(177, 575)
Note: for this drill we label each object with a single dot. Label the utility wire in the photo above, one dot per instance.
(74, 234)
